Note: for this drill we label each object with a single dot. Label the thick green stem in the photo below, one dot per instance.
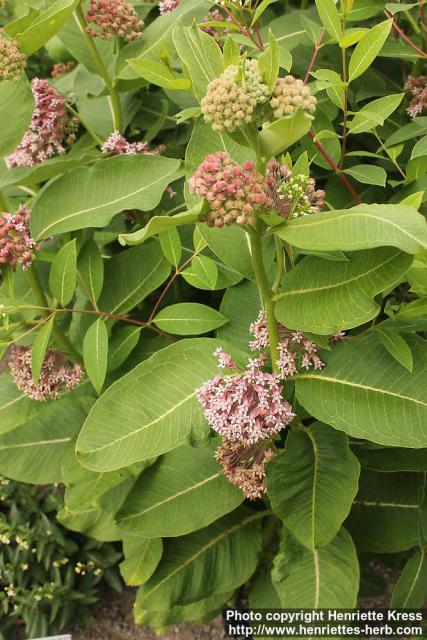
(60, 338)
(116, 106)
(280, 265)
(266, 293)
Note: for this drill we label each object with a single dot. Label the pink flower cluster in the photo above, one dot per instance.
(231, 192)
(17, 247)
(113, 19)
(60, 69)
(117, 145)
(244, 466)
(217, 33)
(417, 88)
(166, 6)
(49, 130)
(56, 374)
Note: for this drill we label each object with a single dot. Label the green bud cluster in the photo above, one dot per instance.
(230, 101)
(12, 60)
(298, 197)
(289, 94)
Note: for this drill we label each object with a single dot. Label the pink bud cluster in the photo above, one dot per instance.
(113, 19)
(117, 145)
(417, 88)
(12, 60)
(17, 247)
(62, 68)
(56, 375)
(166, 6)
(231, 192)
(50, 128)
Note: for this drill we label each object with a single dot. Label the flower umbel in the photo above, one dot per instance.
(56, 375)
(294, 196)
(50, 128)
(417, 88)
(231, 192)
(113, 19)
(289, 94)
(117, 145)
(17, 247)
(12, 60)
(166, 6)
(244, 466)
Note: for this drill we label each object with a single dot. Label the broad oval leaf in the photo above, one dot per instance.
(91, 196)
(312, 484)
(189, 319)
(242, 304)
(322, 578)
(410, 591)
(15, 407)
(215, 559)
(324, 297)
(141, 559)
(141, 407)
(16, 108)
(281, 134)
(397, 347)
(95, 353)
(170, 242)
(368, 48)
(366, 393)
(63, 273)
(45, 25)
(392, 459)
(368, 174)
(363, 227)
(182, 492)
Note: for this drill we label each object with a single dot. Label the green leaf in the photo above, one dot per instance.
(363, 227)
(63, 273)
(131, 275)
(231, 52)
(121, 345)
(159, 73)
(90, 268)
(333, 85)
(184, 491)
(90, 196)
(202, 273)
(392, 459)
(157, 224)
(322, 578)
(302, 482)
(16, 108)
(374, 113)
(269, 62)
(411, 589)
(368, 48)
(408, 132)
(279, 135)
(141, 559)
(330, 18)
(214, 560)
(263, 5)
(38, 350)
(384, 518)
(15, 407)
(397, 347)
(242, 305)
(323, 297)
(95, 353)
(394, 7)
(230, 245)
(45, 25)
(420, 148)
(366, 393)
(171, 245)
(201, 56)
(142, 405)
(189, 319)
(33, 451)
(368, 174)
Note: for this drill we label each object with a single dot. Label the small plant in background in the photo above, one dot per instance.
(47, 577)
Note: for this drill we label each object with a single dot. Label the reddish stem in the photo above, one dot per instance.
(168, 286)
(316, 51)
(403, 35)
(336, 168)
(243, 29)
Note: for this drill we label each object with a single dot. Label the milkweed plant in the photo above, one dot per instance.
(213, 258)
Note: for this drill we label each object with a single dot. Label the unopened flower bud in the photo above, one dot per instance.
(12, 60)
(290, 94)
(113, 19)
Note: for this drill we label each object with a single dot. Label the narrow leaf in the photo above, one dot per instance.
(90, 267)
(63, 273)
(368, 48)
(38, 350)
(397, 347)
(95, 353)
(189, 318)
(330, 18)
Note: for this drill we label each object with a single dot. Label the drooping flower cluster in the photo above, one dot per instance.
(118, 146)
(230, 101)
(289, 94)
(217, 33)
(50, 129)
(12, 60)
(17, 247)
(56, 374)
(231, 192)
(113, 19)
(166, 6)
(244, 466)
(417, 88)
(60, 69)
(293, 196)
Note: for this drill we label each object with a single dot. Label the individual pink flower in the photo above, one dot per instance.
(117, 145)
(231, 192)
(244, 466)
(17, 247)
(166, 6)
(113, 19)
(50, 128)
(56, 374)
